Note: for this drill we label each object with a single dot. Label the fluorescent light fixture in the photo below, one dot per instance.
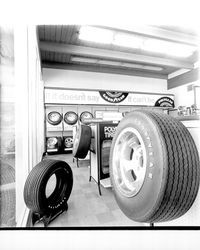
(94, 34)
(168, 48)
(114, 63)
(125, 40)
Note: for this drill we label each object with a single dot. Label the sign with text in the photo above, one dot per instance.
(65, 96)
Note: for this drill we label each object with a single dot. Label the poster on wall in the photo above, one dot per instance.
(67, 96)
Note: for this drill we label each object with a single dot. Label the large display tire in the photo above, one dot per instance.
(154, 167)
(82, 141)
(35, 186)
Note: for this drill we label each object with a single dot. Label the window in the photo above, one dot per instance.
(7, 129)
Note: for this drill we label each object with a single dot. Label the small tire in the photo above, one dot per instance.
(85, 115)
(71, 118)
(34, 189)
(154, 167)
(82, 140)
(54, 114)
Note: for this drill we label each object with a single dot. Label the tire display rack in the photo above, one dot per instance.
(56, 130)
(102, 133)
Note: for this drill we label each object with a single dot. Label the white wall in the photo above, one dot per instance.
(92, 80)
(29, 115)
(183, 96)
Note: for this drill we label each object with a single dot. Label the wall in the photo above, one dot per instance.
(29, 127)
(92, 80)
(184, 96)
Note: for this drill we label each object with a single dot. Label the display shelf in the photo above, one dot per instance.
(52, 150)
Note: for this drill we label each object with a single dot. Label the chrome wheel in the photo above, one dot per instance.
(129, 162)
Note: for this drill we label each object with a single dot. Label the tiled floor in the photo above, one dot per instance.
(85, 206)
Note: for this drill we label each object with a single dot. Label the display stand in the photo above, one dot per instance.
(48, 217)
(101, 131)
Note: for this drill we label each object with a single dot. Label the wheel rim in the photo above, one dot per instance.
(51, 142)
(129, 162)
(68, 142)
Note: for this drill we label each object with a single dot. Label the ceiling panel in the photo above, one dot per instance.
(60, 35)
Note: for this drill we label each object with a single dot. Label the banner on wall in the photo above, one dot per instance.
(65, 96)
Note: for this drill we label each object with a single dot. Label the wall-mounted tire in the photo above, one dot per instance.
(35, 186)
(52, 143)
(54, 118)
(71, 118)
(154, 167)
(82, 141)
(85, 115)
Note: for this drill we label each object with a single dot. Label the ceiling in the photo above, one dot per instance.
(59, 44)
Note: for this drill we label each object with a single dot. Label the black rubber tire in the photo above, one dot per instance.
(7, 195)
(36, 182)
(172, 162)
(82, 141)
(68, 121)
(54, 122)
(85, 115)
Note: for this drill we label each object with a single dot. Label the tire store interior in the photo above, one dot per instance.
(99, 126)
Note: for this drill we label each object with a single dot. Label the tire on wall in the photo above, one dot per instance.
(70, 118)
(154, 167)
(36, 182)
(82, 141)
(54, 118)
(53, 142)
(85, 115)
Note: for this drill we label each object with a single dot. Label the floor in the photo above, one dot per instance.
(85, 206)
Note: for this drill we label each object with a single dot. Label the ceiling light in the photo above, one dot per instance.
(95, 34)
(114, 63)
(130, 41)
(168, 48)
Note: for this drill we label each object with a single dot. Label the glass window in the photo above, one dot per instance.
(7, 129)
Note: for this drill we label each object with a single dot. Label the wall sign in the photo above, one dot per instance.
(65, 96)
(165, 102)
(113, 97)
